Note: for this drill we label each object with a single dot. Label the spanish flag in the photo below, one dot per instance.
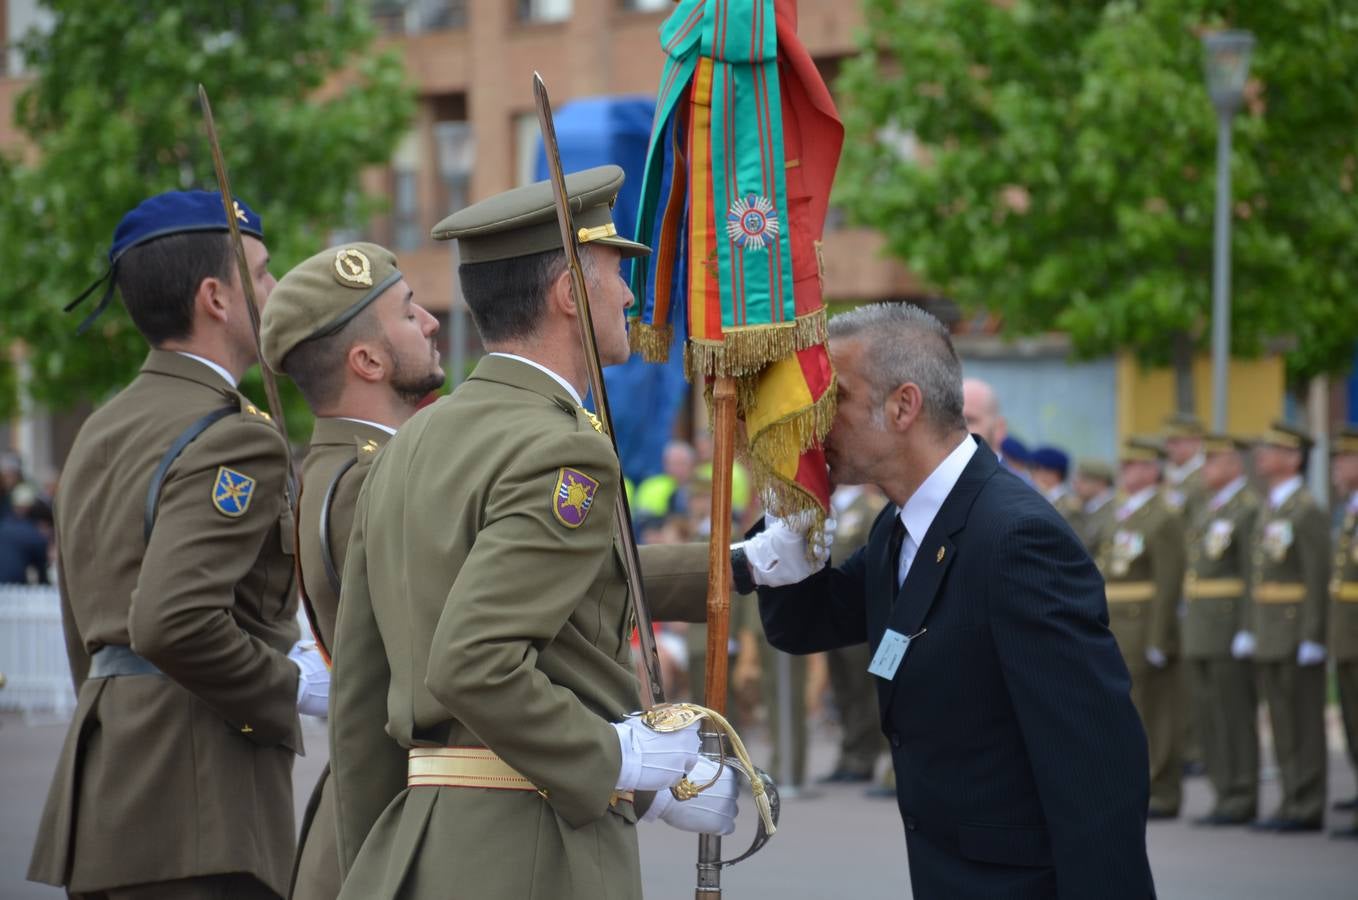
(733, 202)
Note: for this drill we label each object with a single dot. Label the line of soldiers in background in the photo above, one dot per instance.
(1222, 591)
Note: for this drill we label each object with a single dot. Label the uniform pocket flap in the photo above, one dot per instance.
(1008, 845)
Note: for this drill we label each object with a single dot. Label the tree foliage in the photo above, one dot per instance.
(1059, 166)
(302, 103)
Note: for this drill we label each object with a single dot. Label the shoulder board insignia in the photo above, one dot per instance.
(369, 447)
(593, 420)
(256, 411)
(573, 497)
(232, 492)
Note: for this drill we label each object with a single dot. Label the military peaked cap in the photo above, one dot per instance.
(523, 221)
(1345, 440)
(1287, 436)
(1142, 449)
(1182, 425)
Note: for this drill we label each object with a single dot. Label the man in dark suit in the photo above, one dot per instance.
(1021, 765)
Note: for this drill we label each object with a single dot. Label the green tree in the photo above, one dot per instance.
(302, 104)
(1054, 161)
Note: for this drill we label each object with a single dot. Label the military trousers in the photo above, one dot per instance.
(1226, 707)
(1296, 710)
(234, 886)
(861, 740)
(316, 874)
(1158, 697)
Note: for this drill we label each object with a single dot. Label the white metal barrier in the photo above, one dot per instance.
(33, 652)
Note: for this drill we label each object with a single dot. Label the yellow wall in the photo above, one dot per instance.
(1145, 396)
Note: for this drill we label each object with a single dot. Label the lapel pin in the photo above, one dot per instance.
(942, 551)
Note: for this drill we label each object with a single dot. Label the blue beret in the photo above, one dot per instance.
(177, 212)
(1051, 458)
(1013, 450)
(173, 212)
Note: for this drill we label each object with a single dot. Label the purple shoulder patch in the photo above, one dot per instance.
(573, 497)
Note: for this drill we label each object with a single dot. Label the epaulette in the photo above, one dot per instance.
(249, 409)
(573, 410)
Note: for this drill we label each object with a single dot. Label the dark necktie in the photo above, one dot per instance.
(893, 550)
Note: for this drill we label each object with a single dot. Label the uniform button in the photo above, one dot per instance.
(895, 739)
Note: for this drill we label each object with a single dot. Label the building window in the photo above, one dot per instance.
(544, 10)
(526, 141)
(18, 19)
(456, 156)
(417, 16)
(405, 194)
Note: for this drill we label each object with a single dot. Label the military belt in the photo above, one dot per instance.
(474, 767)
(115, 659)
(1214, 588)
(1274, 592)
(1346, 592)
(1130, 591)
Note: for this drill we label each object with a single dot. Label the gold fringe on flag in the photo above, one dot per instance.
(744, 350)
(651, 341)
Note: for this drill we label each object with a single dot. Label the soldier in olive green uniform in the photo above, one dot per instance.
(481, 652)
(861, 740)
(1216, 591)
(1050, 467)
(344, 326)
(1344, 598)
(1184, 491)
(176, 565)
(1143, 566)
(1290, 598)
(1093, 484)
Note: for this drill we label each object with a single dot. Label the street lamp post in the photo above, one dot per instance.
(1228, 65)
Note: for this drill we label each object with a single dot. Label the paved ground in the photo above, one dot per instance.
(836, 844)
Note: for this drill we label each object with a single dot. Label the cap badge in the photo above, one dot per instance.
(240, 213)
(352, 267)
(752, 222)
(574, 496)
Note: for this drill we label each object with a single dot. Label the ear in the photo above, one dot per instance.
(904, 406)
(560, 297)
(366, 361)
(213, 300)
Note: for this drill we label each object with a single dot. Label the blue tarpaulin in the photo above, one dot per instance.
(644, 397)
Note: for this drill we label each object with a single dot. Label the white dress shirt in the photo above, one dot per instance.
(575, 395)
(1226, 494)
(226, 376)
(378, 425)
(1279, 493)
(922, 508)
(1135, 502)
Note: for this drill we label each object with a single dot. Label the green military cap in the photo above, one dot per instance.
(523, 221)
(322, 295)
(1345, 440)
(1219, 442)
(1142, 449)
(1183, 424)
(1287, 436)
(1096, 469)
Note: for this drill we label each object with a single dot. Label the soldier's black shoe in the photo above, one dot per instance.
(1286, 826)
(1351, 832)
(845, 776)
(1221, 819)
(1345, 805)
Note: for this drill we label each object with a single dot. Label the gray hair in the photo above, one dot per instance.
(904, 344)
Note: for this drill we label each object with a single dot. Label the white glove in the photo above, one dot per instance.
(1309, 653)
(653, 760)
(711, 812)
(1242, 645)
(313, 679)
(778, 554)
(1155, 657)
